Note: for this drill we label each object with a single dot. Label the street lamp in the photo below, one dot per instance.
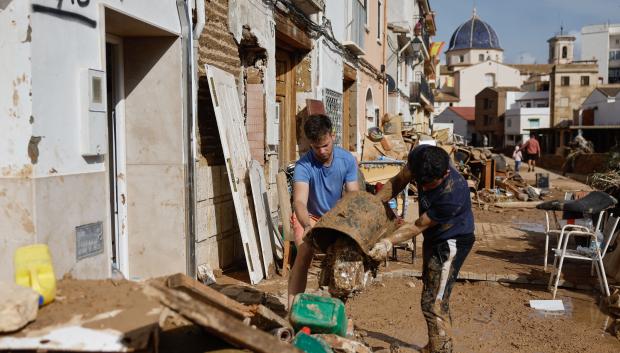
(416, 44)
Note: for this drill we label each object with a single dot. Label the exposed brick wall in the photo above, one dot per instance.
(217, 47)
(255, 123)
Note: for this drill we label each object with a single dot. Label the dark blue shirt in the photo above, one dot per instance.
(449, 205)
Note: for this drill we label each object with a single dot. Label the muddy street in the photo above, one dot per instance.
(487, 317)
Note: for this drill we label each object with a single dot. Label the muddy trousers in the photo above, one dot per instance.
(442, 262)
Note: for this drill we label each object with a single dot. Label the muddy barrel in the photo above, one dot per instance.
(359, 215)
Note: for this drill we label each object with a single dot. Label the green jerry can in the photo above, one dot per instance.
(320, 314)
(311, 344)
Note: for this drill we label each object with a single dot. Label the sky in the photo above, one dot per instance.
(523, 26)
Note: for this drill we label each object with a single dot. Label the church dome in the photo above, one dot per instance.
(474, 34)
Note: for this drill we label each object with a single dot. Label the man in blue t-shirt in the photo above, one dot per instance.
(321, 175)
(447, 222)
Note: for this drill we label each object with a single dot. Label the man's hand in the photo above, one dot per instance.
(380, 251)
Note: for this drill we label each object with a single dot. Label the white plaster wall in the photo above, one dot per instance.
(595, 45)
(335, 10)
(67, 190)
(330, 70)
(519, 118)
(459, 124)
(15, 89)
(61, 49)
(471, 80)
(607, 109)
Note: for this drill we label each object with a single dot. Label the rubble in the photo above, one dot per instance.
(18, 306)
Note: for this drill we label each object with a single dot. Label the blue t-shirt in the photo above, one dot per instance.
(449, 205)
(326, 183)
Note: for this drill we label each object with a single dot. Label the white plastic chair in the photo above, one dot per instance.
(595, 255)
(554, 229)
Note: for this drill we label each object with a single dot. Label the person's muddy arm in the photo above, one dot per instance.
(395, 185)
(409, 230)
(300, 203)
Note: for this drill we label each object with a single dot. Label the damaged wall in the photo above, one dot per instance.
(47, 187)
(242, 43)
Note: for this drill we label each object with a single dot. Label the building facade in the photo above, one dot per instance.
(491, 106)
(530, 111)
(461, 118)
(602, 43)
(94, 140)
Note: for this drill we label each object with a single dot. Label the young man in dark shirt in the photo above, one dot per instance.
(447, 222)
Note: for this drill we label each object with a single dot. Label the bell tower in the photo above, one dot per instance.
(561, 48)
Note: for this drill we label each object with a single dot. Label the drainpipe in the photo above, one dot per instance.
(189, 107)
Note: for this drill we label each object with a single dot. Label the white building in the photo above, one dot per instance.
(461, 118)
(474, 61)
(94, 147)
(602, 42)
(530, 110)
(602, 107)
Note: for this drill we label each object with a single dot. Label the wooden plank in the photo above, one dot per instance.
(220, 324)
(208, 295)
(518, 204)
(284, 199)
(259, 195)
(285, 206)
(230, 124)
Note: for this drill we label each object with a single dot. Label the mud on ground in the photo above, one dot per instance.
(487, 317)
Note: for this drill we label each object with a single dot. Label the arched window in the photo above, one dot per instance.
(489, 80)
(564, 52)
(481, 57)
(371, 116)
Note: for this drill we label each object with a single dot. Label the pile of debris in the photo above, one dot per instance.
(512, 188)
(608, 181)
(122, 316)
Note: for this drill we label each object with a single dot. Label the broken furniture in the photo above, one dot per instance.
(222, 316)
(595, 253)
(591, 204)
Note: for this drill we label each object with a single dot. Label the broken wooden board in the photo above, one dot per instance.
(236, 150)
(208, 295)
(259, 195)
(518, 204)
(259, 315)
(217, 322)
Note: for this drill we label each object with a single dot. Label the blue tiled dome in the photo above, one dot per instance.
(474, 34)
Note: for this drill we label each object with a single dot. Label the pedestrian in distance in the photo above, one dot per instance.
(447, 222)
(320, 177)
(517, 155)
(532, 152)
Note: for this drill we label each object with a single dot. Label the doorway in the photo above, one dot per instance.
(285, 106)
(116, 153)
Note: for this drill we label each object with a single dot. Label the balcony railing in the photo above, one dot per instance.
(355, 28)
(421, 93)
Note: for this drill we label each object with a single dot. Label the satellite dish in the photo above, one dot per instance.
(391, 83)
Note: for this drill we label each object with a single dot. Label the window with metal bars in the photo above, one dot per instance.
(333, 107)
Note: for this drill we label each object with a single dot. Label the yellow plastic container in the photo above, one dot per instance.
(33, 268)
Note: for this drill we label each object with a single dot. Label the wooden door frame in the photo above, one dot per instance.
(288, 113)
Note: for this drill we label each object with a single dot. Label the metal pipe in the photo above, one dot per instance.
(200, 19)
(183, 10)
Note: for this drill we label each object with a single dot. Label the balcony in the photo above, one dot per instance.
(355, 28)
(309, 7)
(420, 93)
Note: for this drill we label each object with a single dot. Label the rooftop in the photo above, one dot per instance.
(467, 113)
(609, 90)
(529, 69)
